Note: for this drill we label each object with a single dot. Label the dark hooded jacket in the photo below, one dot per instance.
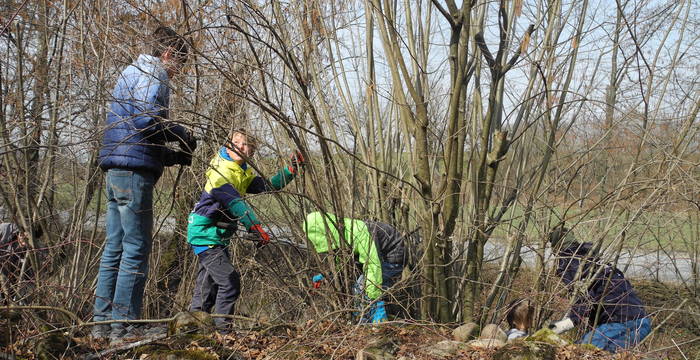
(389, 242)
(609, 298)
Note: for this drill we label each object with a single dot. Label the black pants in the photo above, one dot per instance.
(218, 284)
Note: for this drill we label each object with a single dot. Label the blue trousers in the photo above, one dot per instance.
(124, 263)
(615, 336)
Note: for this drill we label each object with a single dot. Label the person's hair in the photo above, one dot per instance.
(251, 140)
(164, 38)
(520, 313)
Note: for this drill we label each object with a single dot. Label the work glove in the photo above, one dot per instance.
(189, 143)
(297, 162)
(377, 312)
(183, 158)
(264, 238)
(316, 280)
(178, 158)
(561, 326)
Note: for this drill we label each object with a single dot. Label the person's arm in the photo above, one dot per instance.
(283, 177)
(581, 308)
(369, 258)
(567, 269)
(230, 199)
(152, 104)
(277, 182)
(373, 274)
(171, 158)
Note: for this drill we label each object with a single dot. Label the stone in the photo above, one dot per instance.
(189, 322)
(51, 346)
(380, 348)
(549, 337)
(465, 332)
(373, 354)
(445, 348)
(526, 350)
(492, 331)
(486, 343)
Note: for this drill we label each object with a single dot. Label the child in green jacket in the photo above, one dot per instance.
(379, 248)
(229, 179)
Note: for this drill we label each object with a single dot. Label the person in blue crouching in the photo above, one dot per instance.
(133, 156)
(612, 308)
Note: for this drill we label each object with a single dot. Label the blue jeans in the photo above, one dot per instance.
(615, 336)
(124, 264)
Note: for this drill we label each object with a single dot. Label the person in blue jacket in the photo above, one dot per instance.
(612, 308)
(133, 155)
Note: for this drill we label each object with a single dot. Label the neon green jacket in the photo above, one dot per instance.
(361, 242)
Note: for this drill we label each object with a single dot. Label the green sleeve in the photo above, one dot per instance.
(245, 214)
(369, 258)
(281, 179)
(373, 275)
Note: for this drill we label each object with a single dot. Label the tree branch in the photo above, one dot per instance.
(444, 13)
(523, 46)
(481, 43)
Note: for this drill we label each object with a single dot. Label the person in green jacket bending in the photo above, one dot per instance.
(379, 248)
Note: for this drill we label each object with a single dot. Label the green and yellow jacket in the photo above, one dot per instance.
(372, 243)
(222, 200)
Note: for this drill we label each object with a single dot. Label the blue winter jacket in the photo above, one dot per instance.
(135, 136)
(609, 298)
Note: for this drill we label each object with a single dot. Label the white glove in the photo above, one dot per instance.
(561, 326)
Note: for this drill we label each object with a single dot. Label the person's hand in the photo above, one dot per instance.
(183, 158)
(561, 326)
(378, 312)
(264, 238)
(297, 162)
(177, 158)
(189, 143)
(317, 280)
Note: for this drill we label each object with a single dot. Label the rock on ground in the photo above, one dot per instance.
(465, 332)
(492, 331)
(486, 343)
(445, 348)
(187, 322)
(526, 350)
